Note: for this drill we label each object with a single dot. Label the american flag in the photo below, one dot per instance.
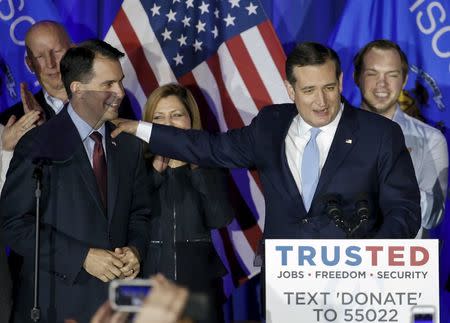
(227, 54)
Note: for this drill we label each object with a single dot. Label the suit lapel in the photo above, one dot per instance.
(344, 140)
(67, 145)
(289, 181)
(113, 171)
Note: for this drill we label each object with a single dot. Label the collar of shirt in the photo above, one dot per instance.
(84, 130)
(398, 116)
(327, 130)
(297, 138)
(55, 103)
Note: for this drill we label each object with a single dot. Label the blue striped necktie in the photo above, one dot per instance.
(310, 168)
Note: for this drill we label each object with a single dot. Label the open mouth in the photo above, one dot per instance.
(321, 112)
(114, 106)
(381, 94)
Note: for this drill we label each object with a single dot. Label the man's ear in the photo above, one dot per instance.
(75, 87)
(290, 90)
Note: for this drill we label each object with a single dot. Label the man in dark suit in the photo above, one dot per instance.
(45, 42)
(328, 170)
(94, 203)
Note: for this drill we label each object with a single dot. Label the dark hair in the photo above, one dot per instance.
(383, 44)
(77, 63)
(309, 53)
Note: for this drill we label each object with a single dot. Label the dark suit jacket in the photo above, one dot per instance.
(73, 217)
(5, 285)
(367, 155)
(125, 110)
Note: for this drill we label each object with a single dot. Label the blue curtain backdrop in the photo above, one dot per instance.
(327, 21)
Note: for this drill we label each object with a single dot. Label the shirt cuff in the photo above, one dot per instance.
(144, 131)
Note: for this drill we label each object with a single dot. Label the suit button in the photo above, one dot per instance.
(305, 221)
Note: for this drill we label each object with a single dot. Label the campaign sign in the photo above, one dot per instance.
(351, 281)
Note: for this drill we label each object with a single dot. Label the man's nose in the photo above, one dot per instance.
(381, 79)
(50, 60)
(320, 100)
(119, 90)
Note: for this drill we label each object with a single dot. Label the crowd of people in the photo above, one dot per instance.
(123, 198)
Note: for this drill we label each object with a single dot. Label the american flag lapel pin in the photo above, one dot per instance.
(348, 141)
(114, 143)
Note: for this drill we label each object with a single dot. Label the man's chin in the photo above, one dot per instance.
(381, 109)
(52, 85)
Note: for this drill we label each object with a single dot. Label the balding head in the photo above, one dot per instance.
(45, 27)
(46, 43)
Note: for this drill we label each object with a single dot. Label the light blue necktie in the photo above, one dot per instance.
(310, 168)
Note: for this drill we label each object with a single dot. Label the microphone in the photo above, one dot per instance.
(362, 211)
(333, 210)
(362, 208)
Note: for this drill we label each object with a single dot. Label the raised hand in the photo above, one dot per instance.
(124, 125)
(15, 129)
(165, 304)
(30, 104)
(105, 314)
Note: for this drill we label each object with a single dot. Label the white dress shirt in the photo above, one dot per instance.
(56, 104)
(429, 154)
(298, 136)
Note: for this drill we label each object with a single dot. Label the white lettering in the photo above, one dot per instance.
(434, 42)
(432, 27)
(415, 5)
(11, 10)
(13, 27)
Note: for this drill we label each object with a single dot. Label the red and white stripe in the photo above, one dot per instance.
(245, 75)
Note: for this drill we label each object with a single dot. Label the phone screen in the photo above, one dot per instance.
(423, 318)
(129, 295)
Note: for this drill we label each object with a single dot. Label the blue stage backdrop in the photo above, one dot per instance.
(421, 27)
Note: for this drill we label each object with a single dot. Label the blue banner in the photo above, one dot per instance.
(422, 30)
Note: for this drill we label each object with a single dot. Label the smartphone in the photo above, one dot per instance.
(423, 314)
(128, 295)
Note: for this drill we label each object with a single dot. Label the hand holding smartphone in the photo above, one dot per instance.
(129, 295)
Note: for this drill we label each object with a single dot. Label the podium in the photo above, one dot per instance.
(352, 281)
